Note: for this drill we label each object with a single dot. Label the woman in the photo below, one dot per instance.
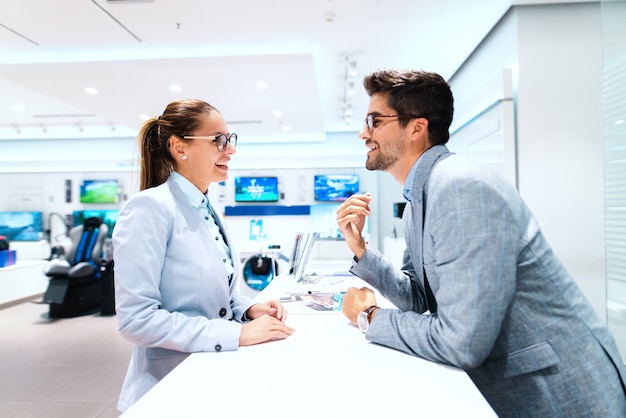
(175, 267)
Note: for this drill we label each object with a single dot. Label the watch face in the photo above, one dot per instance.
(363, 322)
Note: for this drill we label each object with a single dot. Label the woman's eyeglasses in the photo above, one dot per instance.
(222, 140)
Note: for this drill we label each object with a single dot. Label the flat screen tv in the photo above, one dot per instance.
(256, 189)
(323, 220)
(335, 187)
(108, 216)
(99, 191)
(21, 226)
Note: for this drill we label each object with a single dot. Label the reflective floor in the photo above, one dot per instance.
(59, 367)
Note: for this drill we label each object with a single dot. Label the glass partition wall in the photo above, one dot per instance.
(614, 126)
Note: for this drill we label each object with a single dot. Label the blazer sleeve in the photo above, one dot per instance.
(189, 320)
(470, 251)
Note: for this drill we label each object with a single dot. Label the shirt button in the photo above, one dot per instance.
(223, 312)
(217, 238)
(206, 218)
(218, 347)
(223, 260)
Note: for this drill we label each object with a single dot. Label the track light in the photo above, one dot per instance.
(352, 69)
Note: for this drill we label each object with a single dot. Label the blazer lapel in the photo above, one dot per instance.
(413, 219)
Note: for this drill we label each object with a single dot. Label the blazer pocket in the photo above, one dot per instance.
(527, 360)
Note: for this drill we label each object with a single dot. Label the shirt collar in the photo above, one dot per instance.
(407, 191)
(196, 198)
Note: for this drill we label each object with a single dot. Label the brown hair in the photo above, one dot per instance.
(416, 92)
(179, 118)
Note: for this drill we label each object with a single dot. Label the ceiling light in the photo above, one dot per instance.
(350, 89)
(143, 116)
(352, 71)
(278, 113)
(619, 122)
(175, 87)
(91, 90)
(261, 85)
(348, 110)
(286, 128)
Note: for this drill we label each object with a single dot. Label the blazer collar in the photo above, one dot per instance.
(424, 166)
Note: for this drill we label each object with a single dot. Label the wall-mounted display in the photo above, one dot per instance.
(108, 217)
(256, 189)
(21, 226)
(324, 221)
(99, 191)
(335, 187)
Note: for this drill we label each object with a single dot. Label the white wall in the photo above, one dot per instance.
(554, 52)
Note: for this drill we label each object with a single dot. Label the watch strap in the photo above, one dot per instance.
(369, 311)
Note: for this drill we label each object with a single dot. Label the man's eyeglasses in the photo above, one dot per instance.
(222, 140)
(371, 120)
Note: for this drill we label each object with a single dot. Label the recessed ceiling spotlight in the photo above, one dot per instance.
(91, 90)
(19, 108)
(175, 87)
(329, 17)
(261, 85)
(143, 116)
(286, 128)
(278, 113)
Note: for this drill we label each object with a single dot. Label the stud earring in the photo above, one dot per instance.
(184, 157)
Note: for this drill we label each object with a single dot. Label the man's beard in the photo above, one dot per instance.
(385, 158)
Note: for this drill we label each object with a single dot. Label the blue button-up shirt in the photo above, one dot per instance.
(200, 202)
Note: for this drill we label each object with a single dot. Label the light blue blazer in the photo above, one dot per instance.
(171, 287)
(508, 312)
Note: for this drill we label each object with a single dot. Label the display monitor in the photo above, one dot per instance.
(323, 220)
(335, 187)
(256, 189)
(21, 226)
(108, 217)
(304, 248)
(99, 191)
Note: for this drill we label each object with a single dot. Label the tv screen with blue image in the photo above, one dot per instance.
(324, 221)
(335, 187)
(256, 189)
(21, 226)
(108, 217)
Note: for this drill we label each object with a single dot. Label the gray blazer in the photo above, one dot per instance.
(171, 287)
(508, 313)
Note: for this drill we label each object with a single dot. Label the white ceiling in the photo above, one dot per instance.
(132, 51)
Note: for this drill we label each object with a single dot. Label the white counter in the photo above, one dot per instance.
(22, 280)
(326, 368)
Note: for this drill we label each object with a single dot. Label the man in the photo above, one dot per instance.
(480, 288)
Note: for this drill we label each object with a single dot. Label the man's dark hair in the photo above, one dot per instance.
(416, 92)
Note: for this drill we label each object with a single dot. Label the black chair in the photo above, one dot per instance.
(76, 283)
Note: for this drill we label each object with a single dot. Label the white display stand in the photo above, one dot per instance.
(25, 279)
(21, 281)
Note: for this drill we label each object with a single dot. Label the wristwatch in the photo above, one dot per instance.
(363, 320)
